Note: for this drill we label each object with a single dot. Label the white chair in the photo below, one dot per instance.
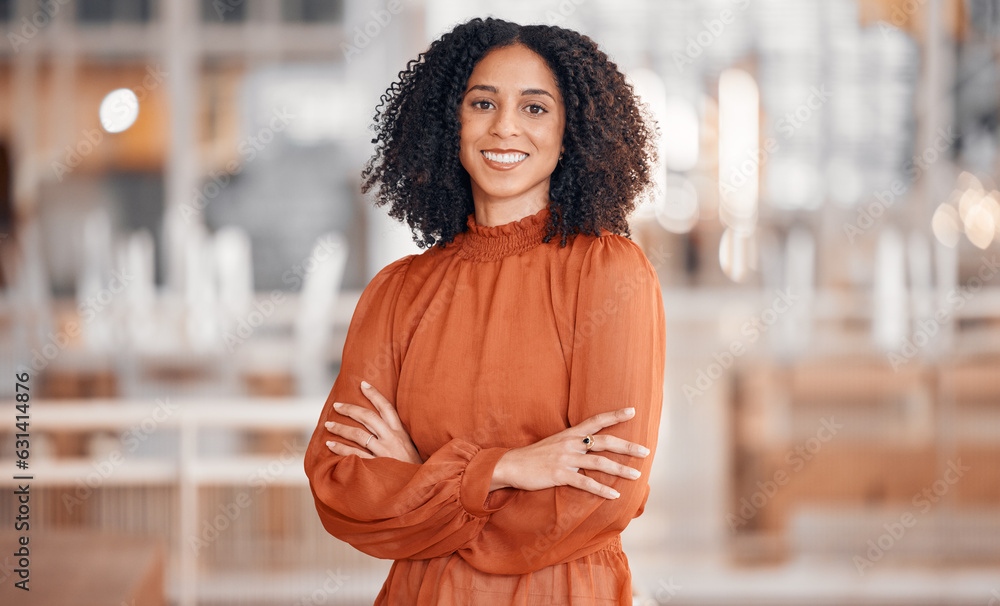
(233, 273)
(890, 311)
(324, 272)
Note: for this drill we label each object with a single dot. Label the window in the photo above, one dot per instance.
(106, 11)
(309, 11)
(223, 11)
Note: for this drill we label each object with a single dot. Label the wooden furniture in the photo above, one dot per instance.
(87, 568)
(826, 452)
(183, 485)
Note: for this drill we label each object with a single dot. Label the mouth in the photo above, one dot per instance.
(503, 160)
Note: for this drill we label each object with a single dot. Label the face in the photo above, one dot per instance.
(512, 119)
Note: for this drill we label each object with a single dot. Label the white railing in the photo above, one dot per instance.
(185, 470)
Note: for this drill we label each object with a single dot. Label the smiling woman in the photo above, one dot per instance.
(499, 398)
(607, 145)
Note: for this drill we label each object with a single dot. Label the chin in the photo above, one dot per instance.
(496, 188)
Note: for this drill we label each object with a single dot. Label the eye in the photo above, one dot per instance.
(536, 109)
(482, 104)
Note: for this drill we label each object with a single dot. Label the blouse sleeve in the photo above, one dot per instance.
(617, 361)
(385, 507)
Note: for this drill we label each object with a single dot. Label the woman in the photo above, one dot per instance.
(489, 427)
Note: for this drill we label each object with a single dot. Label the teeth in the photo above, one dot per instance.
(512, 158)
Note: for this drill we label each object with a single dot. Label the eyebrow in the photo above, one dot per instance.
(524, 92)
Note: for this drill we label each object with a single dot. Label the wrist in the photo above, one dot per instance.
(499, 479)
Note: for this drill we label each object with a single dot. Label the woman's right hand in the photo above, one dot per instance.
(556, 460)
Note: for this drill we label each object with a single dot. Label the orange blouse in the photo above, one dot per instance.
(495, 342)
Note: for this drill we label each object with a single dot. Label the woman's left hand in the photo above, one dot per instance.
(385, 435)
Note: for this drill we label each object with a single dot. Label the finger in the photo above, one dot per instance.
(578, 480)
(375, 447)
(344, 450)
(382, 404)
(606, 465)
(609, 443)
(369, 418)
(354, 434)
(605, 419)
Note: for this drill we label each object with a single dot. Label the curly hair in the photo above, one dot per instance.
(609, 152)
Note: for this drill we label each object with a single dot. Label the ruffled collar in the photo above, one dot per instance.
(483, 243)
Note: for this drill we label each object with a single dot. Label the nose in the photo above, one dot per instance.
(504, 122)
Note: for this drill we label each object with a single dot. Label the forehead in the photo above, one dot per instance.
(516, 67)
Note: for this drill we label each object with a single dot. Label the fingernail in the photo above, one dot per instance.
(634, 473)
(329, 443)
(328, 424)
(365, 384)
(630, 411)
(614, 494)
(337, 405)
(644, 451)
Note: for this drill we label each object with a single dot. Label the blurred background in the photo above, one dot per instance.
(183, 242)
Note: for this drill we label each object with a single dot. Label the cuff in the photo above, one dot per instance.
(474, 491)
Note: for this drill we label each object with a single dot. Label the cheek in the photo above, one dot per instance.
(464, 146)
(466, 149)
(550, 138)
(466, 138)
(466, 161)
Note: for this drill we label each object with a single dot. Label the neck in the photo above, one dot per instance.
(492, 211)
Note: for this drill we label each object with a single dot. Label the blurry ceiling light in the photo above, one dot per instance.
(680, 134)
(678, 211)
(739, 153)
(946, 226)
(991, 202)
(652, 93)
(970, 199)
(650, 88)
(967, 180)
(119, 109)
(954, 197)
(980, 227)
(737, 254)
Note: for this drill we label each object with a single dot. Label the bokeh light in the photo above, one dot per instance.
(119, 110)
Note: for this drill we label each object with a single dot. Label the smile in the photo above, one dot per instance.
(506, 160)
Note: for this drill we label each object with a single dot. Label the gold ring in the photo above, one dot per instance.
(588, 440)
(370, 436)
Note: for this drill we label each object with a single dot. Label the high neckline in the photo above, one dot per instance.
(492, 243)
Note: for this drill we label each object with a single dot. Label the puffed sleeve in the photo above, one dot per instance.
(385, 507)
(618, 361)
